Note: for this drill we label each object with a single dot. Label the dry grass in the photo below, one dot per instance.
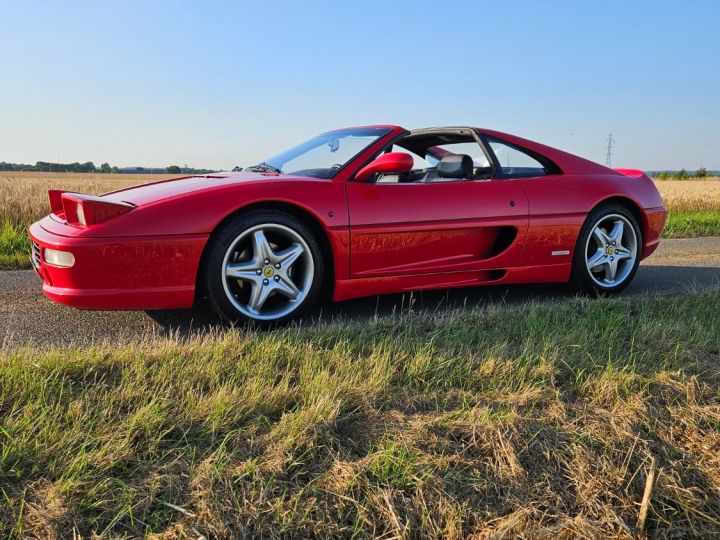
(534, 421)
(690, 195)
(23, 195)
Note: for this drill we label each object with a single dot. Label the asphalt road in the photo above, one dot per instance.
(27, 316)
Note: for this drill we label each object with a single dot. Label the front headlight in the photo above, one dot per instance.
(64, 259)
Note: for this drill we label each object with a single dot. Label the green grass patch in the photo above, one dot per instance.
(690, 224)
(14, 246)
(528, 420)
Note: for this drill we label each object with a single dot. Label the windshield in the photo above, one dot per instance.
(324, 155)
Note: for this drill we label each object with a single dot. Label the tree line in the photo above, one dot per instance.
(682, 174)
(89, 167)
(44, 166)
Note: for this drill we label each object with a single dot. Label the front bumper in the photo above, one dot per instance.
(147, 272)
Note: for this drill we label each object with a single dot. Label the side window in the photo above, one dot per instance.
(514, 161)
(472, 149)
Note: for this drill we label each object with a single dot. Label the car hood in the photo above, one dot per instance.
(166, 189)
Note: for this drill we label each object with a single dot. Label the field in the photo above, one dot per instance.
(535, 420)
(23, 196)
(694, 205)
(569, 419)
(23, 200)
(690, 195)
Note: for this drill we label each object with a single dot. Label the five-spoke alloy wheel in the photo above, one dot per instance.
(608, 249)
(264, 267)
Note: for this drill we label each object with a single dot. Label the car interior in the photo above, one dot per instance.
(441, 156)
(452, 154)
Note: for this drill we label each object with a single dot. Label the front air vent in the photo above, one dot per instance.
(35, 254)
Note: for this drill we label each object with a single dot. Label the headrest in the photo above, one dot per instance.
(455, 166)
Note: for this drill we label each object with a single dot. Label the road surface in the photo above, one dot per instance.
(27, 316)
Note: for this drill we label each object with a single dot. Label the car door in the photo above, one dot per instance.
(555, 221)
(399, 228)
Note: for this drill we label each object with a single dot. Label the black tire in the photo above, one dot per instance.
(213, 293)
(582, 279)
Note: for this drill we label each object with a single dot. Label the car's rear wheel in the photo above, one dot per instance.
(264, 266)
(608, 250)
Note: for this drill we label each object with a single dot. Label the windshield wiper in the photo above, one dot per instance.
(263, 167)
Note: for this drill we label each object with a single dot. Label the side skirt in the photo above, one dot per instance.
(346, 289)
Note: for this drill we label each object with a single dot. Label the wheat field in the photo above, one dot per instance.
(690, 195)
(23, 195)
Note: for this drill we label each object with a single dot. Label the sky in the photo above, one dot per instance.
(218, 84)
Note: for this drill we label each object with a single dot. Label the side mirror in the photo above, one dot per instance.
(392, 163)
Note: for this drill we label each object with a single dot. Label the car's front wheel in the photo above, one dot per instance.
(608, 250)
(264, 266)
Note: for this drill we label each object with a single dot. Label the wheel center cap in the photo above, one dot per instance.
(611, 251)
(268, 271)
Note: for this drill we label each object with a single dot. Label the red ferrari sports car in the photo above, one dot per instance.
(353, 212)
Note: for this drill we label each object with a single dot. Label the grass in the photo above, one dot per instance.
(14, 246)
(694, 205)
(534, 420)
(693, 223)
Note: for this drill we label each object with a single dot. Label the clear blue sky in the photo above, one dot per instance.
(216, 84)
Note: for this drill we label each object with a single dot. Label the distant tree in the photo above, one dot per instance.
(701, 173)
(115, 170)
(173, 169)
(105, 168)
(683, 175)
